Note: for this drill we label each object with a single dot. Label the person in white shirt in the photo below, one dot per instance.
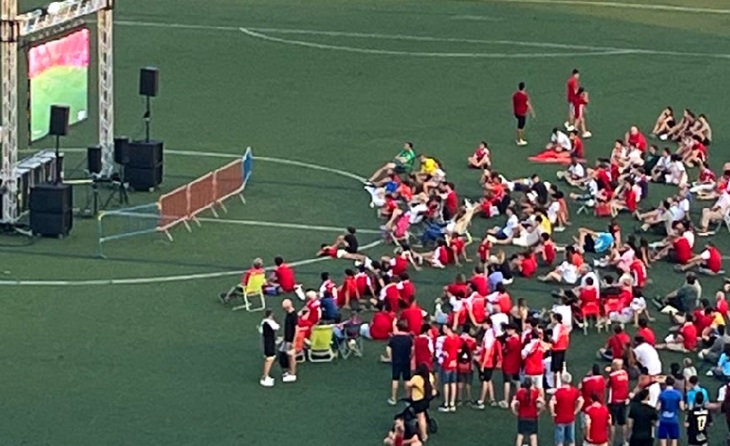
(661, 168)
(715, 213)
(677, 173)
(647, 356)
(575, 174)
(507, 231)
(559, 142)
(565, 272)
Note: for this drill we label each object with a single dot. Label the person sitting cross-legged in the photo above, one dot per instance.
(402, 163)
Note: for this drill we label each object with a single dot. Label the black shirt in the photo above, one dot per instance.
(644, 417)
(400, 346)
(698, 418)
(542, 192)
(269, 334)
(352, 243)
(290, 326)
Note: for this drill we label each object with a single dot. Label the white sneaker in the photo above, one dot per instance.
(587, 134)
(664, 137)
(559, 229)
(570, 128)
(289, 378)
(567, 125)
(299, 292)
(521, 142)
(267, 382)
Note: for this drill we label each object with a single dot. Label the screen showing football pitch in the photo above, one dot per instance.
(58, 72)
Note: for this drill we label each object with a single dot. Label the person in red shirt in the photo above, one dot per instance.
(390, 294)
(685, 340)
(483, 251)
(565, 404)
(593, 384)
(579, 107)
(283, 277)
(511, 362)
(310, 315)
(521, 106)
(406, 290)
(257, 269)
(423, 348)
(527, 405)
(618, 391)
(616, 344)
(450, 351)
(481, 158)
(457, 249)
(634, 138)
(572, 86)
(578, 149)
(348, 292)
(413, 316)
(708, 261)
(526, 264)
(382, 325)
(721, 304)
(479, 281)
(489, 358)
(637, 268)
(547, 249)
(645, 332)
(532, 360)
(598, 421)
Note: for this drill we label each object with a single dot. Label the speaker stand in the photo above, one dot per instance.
(147, 118)
(57, 179)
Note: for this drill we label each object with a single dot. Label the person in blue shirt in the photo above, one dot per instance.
(670, 404)
(722, 371)
(693, 388)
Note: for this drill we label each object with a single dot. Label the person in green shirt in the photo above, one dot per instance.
(402, 163)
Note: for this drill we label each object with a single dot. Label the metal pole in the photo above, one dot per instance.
(9, 108)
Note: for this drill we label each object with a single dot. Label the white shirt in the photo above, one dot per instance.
(649, 358)
(723, 202)
(562, 140)
(664, 162)
(677, 172)
(654, 391)
(569, 272)
(567, 313)
(690, 236)
(510, 226)
(552, 211)
(676, 212)
(577, 171)
(592, 187)
(497, 320)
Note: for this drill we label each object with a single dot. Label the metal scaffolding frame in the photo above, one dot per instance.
(13, 27)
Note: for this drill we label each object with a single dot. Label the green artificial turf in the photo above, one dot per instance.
(58, 85)
(164, 363)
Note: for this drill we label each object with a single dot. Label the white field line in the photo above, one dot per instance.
(591, 50)
(351, 49)
(271, 224)
(199, 276)
(622, 5)
(158, 279)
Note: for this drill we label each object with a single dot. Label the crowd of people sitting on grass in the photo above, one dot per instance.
(476, 327)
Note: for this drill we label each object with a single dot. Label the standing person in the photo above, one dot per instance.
(527, 405)
(511, 362)
(521, 106)
(421, 389)
(579, 106)
(572, 86)
(560, 344)
(268, 328)
(399, 350)
(669, 405)
(287, 346)
(490, 357)
(598, 421)
(565, 404)
(642, 419)
(698, 418)
(450, 354)
(618, 391)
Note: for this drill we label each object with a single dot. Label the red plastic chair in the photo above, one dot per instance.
(588, 310)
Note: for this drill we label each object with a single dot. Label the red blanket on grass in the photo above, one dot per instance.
(551, 156)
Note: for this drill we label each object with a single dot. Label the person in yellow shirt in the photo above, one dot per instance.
(428, 165)
(421, 387)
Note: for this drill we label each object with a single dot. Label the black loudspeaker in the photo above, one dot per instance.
(93, 159)
(121, 150)
(51, 210)
(144, 170)
(59, 120)
(149, 81)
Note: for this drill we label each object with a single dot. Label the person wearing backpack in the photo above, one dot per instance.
(465, 368)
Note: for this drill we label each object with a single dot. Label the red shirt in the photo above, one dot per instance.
(451, 347)
(618, 386)
(533, 360)
(702, 149)
(414, 318)
(452, 202)
(313, 306)
(706, 176)
(251, 272)
(689, 334)
(406, 291)
(382, 325)
(638, 272)
(589, 386)
(457, 248)
(647, 334)
(528, 403)
(631, 200)
(512, 355)
(285, 277)
(458, 288)
(505, 303)
(600, 421)
(363, 282)
(399, 265)
(478, 308)
(721, 306)
(349, 287)
(578, 149)
(714, 263)
(682, 250)
(565, 399)
(617, 344)
(638, 140)
(480, 283)
(572, 88)
(392, 296)
(588, 295)
(483, 250)
(548, 253)
(519, 103)
(529, 266)
(422, 351)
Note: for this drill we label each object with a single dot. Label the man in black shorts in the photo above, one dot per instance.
(643, 418)
(521, 106)
(268, 330)
(287, 349)
(399, 350)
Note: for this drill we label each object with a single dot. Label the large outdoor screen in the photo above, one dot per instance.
(59, 75)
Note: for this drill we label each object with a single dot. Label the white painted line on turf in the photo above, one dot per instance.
(158, 279)
(592, 50)
(271, 224)
(351, 49)
(622, 5)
